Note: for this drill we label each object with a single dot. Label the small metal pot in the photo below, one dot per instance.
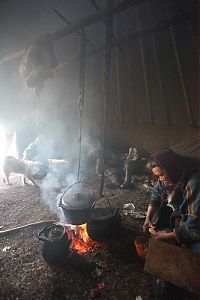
(104, 223)
(55, 248)
(76, 203)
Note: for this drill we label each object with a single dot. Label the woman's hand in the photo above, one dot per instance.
(147, 224)
(164, 235)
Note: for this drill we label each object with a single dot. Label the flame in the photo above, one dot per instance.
(80, 240)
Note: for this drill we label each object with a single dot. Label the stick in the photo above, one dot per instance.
(17, 229)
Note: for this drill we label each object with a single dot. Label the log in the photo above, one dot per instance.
(17, 229)
(174, 264)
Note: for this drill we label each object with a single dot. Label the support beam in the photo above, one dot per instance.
(182, 81)
(146, 83)
(94, 18)
(158, 72)
(182, 17)
(137, 34)
(69, 23)
(119, 102)
(157, 26)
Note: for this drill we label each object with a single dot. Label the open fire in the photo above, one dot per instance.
(80, 240)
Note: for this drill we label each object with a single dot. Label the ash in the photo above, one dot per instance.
(112, 271)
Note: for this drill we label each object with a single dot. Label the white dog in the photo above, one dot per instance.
(24, 167)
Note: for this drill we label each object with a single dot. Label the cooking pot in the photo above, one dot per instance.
(56, 244)
(141, 243)
(104, 223)
(76, 202)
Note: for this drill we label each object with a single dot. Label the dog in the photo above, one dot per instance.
(24, 167)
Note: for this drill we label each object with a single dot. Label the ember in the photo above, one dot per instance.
(80, 240)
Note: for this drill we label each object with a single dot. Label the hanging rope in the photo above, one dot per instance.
(81, 94)
(106, 83)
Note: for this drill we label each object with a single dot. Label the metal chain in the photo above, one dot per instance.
(106, 82)
(81, 94)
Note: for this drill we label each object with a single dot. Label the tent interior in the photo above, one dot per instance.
(122, 73)
(140, 74)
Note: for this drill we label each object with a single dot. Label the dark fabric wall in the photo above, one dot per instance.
(146, 87)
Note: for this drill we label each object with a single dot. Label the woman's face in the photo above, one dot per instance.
(157, 171)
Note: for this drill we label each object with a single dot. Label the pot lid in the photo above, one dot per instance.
(78, 196)
(55, 232)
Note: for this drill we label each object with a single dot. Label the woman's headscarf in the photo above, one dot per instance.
(177, 167)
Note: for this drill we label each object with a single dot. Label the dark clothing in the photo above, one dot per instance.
(183, 196)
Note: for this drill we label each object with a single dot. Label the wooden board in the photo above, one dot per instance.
(174, 264)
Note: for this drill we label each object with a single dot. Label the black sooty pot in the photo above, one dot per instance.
(76, 203)
(104, 223)
(55, 248)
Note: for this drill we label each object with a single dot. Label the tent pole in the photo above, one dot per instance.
(146, 84)
(158, 71)
(183, 86)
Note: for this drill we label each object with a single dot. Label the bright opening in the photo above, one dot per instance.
(7, 144)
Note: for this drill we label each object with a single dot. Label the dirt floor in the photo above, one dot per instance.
(112, 271)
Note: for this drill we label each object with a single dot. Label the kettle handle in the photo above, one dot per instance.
(109, 204)
(41, 235)
(83, 182)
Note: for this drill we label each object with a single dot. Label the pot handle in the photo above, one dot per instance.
(111, 209)
(84, 182)
(41, 235)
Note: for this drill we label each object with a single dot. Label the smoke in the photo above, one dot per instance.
(57, 180)
(62, 173)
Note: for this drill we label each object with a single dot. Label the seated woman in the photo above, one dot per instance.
(174, 208)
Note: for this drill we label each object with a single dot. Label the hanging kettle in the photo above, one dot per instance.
(104, 223)
(76, 203)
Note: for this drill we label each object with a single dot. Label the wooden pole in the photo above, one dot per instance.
(79, 32)
(146, 84)
(131, 81)
(182, 17)
(183, 85)
(106, 86)
(31, 225)
(134, 35)
(158, 72)
(94, 18)
(119, 104)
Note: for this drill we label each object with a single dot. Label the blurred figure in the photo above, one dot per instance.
(35, 150)
(38, 151)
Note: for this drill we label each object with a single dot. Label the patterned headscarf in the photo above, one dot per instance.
(177, 167)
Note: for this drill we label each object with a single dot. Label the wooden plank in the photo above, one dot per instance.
(174, 264)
